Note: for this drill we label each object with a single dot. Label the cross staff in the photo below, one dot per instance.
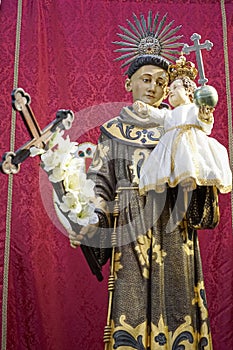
(197, 47)
(39, 138)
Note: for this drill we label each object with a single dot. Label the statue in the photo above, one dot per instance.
(156, 288)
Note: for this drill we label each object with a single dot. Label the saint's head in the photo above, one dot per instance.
(148, 79)
(148, 46)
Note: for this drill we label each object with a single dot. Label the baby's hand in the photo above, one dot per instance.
(206, 113)
(141, 108)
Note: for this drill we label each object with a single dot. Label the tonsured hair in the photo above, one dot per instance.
(146, 60)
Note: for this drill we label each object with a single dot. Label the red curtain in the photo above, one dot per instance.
(66, 60)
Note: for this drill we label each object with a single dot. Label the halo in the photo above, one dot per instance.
(148, 37)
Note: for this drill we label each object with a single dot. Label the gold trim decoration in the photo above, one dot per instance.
(228, 93)
(199, 291)
(10, 188)
(144, 244)
(160, 337)
(132, 134)
(139, 156)
(100, 154)
(117, 263)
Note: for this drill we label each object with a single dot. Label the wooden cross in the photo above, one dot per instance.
(197, 47)
(39, 138)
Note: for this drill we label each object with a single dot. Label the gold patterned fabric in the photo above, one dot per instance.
(159, 297)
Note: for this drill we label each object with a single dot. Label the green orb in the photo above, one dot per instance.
(206, 95)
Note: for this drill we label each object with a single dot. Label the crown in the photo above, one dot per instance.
(182, 68)
(148, 37)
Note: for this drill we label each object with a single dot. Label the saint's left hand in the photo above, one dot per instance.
(76, 238)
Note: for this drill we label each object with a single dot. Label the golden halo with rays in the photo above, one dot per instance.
(149, 37)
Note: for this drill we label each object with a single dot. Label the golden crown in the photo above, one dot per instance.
(182, 69)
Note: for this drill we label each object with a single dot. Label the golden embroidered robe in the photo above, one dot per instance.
(159, 299)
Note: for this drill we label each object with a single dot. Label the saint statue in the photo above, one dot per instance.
(157, 296)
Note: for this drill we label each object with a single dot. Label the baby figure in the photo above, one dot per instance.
(185, 155)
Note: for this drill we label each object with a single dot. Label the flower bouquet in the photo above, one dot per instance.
(65, 168)
(74, 192)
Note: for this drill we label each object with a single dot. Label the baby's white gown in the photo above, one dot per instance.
(185, 151)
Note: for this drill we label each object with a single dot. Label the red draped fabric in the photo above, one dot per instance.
(66, 60)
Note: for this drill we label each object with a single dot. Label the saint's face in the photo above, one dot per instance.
(178, 95)
(148, 84)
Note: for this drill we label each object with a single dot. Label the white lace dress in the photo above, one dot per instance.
(185, 151)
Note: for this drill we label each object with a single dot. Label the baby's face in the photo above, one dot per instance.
(178, 95)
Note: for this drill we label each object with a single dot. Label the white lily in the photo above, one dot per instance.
(71, 164)
(65, 146)
(86, 216)
(71, 204)
(65, 164)
(88, 188)
(35, 151)
(50, 160)
(57, 175)
(78, 182)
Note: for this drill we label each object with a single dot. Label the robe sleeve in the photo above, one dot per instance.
(203, 211)
(101, 171)
(157, 115)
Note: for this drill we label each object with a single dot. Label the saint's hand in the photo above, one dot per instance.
(76, 238)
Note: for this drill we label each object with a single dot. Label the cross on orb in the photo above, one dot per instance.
(197, 47)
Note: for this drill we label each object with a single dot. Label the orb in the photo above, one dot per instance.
(206, 95)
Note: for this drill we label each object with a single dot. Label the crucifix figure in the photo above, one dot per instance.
(39, 138)
(197, 47)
